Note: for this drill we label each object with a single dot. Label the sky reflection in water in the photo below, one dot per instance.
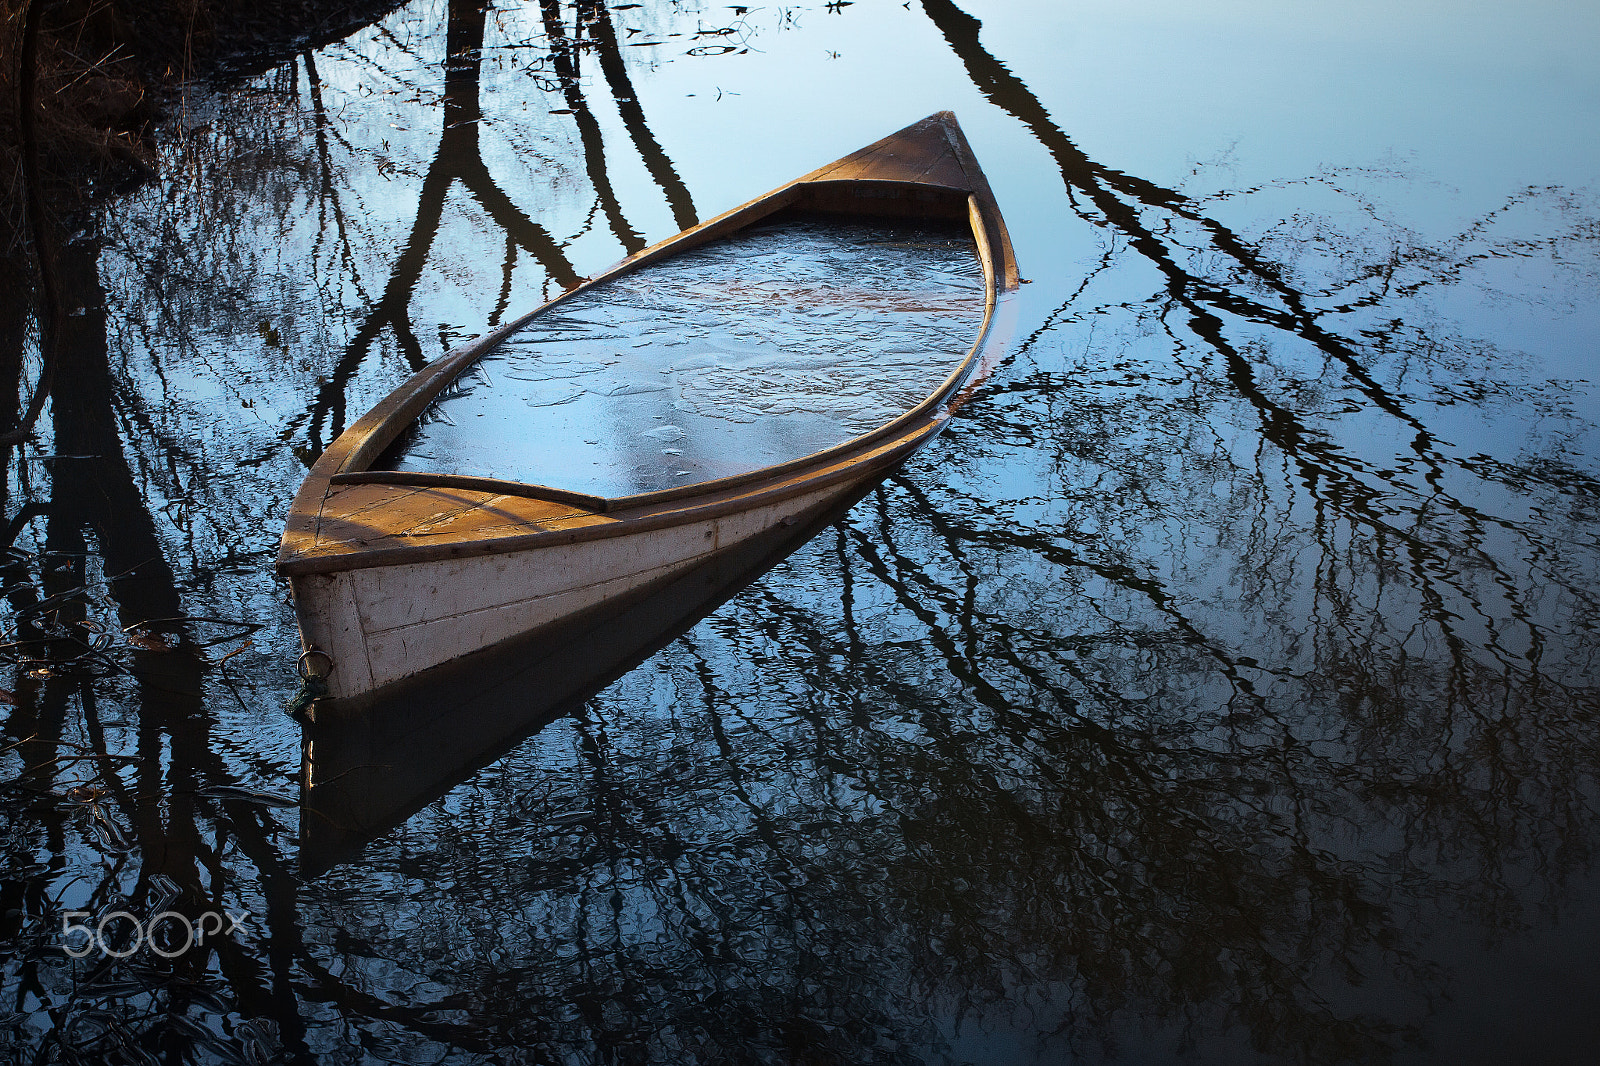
(1223, 679)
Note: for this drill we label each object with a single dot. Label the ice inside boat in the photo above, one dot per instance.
(783, 340)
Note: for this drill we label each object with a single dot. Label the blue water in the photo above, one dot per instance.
(1220, 688)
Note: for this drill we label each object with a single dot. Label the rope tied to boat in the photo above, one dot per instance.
(313, 683)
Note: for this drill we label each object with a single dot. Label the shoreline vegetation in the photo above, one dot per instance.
(99, 74)
(85, 83)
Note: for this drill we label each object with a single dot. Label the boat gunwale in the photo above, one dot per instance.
(383, 424)
(885, 456)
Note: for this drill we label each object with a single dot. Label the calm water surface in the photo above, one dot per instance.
(1221, 686)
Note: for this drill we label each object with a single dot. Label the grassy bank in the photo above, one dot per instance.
(84, 81)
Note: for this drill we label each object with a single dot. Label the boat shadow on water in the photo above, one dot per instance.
(369, 763)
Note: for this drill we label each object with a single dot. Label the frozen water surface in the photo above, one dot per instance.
(781, 341)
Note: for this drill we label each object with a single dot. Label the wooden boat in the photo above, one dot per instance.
(395, 571)
(371, 762)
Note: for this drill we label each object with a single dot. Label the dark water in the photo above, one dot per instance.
(1220, 686)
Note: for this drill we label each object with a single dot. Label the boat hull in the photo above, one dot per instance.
(396, 572)
(389, 623)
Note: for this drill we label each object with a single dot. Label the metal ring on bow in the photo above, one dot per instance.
(302, 666)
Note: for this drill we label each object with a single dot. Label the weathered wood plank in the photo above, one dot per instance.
(387, 623)
(393, 597)
(359, 516)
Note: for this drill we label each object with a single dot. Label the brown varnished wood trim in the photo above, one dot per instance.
(884, 457)
(499, 486)
(995, 226)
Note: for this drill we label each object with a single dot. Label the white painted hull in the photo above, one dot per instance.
(382, 624)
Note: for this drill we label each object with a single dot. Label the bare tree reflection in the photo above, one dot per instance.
(457, 159)
(1179, 687)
